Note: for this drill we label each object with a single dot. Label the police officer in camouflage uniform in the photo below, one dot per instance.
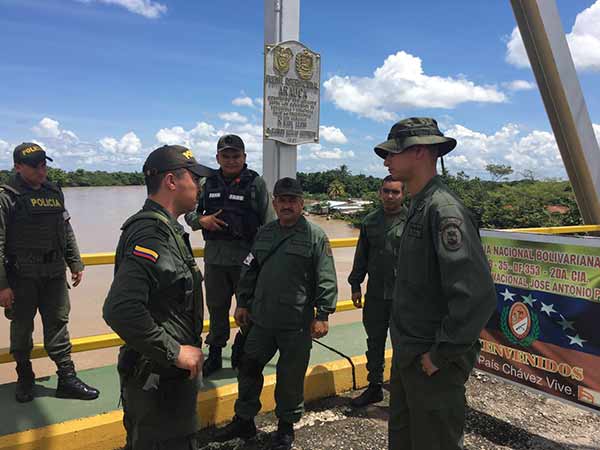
(36, 240)
(444, 295)
(288, 274)
(376, 255)
(155, 305)
(234, 204)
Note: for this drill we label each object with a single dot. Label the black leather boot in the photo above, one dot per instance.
(214, 361)
(373, 394)
(69, 386)
(237, 428)
(25, 382)
(283, 439)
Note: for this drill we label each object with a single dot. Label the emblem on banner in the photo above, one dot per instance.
(305, 65)
(520, 325)
(281, 60)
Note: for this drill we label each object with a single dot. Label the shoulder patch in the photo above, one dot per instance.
(451, 234)
(145, 253)
(249, 259)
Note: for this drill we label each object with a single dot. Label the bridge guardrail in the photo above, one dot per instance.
(102, 341)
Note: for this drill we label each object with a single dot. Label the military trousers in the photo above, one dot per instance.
(294, 353)
(376, 320)
(51, 298)
(428, 412)
(220, 283)
(160, 419)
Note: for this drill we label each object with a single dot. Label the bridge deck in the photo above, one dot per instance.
(46, 410)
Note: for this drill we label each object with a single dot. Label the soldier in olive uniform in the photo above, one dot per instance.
(377, 255)
(155, 305)
(288, 274)
(444, 295)
(233, 205)
(36, 240)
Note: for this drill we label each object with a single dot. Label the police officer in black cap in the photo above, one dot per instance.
(155, 305)
(233, 205)
(36, 244)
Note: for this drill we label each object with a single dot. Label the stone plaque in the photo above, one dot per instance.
(292, 91)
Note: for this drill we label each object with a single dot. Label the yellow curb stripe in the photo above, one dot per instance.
(215, 406)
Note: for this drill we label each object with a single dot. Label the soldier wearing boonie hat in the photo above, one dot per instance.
(37, 242)
(155, 305)
(444, 295)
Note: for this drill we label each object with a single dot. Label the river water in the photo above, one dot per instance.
(97, 214)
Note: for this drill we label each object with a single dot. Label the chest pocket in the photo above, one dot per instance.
(414, 252)
(298, 254)
(376, 238)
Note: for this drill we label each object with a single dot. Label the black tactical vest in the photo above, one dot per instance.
(235, 199)
(173, 306)
(35, 244)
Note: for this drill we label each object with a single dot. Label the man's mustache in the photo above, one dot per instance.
(287, 210)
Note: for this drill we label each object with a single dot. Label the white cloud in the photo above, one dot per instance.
(243, 101)
(50, 128)
(258, 101)
(511, 145)
(129, 144)
(332, 134)
(597, 131)
(316, 151)
(233, 117)
(519, 85)
(5, 151)
(583, 40)
(147, 8)
(400, 83)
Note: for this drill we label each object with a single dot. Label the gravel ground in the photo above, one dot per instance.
(501, 416)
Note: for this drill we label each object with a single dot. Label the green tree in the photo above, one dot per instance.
(499, 171)
(336, 190)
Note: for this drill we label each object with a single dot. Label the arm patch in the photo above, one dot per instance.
(146, 253)
(451, 234)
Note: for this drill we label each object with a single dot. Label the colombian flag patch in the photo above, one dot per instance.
(146, 253)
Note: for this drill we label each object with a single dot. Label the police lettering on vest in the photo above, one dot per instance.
(234, 198)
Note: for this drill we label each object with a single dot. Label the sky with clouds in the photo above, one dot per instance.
(100, 83)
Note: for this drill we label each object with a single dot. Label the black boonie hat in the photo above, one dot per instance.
(288, 186)
(415, 131)
(30, 154)
(171, 157)
(231, 141)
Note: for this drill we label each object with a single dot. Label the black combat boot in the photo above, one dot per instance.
(237, 428)
(69, 386)
(283, 437)
(25, 382)
(214, 361)
(373, 394)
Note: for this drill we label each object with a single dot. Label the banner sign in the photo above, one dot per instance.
(545, 332)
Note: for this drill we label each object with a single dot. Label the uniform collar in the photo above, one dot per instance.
(151, 205)
(19, 181)
(419, 200)
(298, 227)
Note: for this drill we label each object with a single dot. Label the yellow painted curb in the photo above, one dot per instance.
(105, 431)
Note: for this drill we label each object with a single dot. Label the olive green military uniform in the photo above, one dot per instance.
(155, 305)
(288, 274)
(36, 240)
(223, 263)
(376, 255)
(444, 296)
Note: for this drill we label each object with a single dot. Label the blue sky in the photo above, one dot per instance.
(100, 83)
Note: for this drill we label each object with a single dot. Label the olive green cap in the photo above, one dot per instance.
(415, 131)
(288, 186)
(30, 154)
(171, 157)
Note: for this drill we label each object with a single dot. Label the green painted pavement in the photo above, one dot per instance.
(45, 409)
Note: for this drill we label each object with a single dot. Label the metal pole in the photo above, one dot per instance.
(282, 23)
(552, 64)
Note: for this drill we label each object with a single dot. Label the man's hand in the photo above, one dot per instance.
(357, 299)
(7, 297)
(319, 328)
(427, 364)
(190, 358)
(242, 316)
(76, 278)
(212, 222)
